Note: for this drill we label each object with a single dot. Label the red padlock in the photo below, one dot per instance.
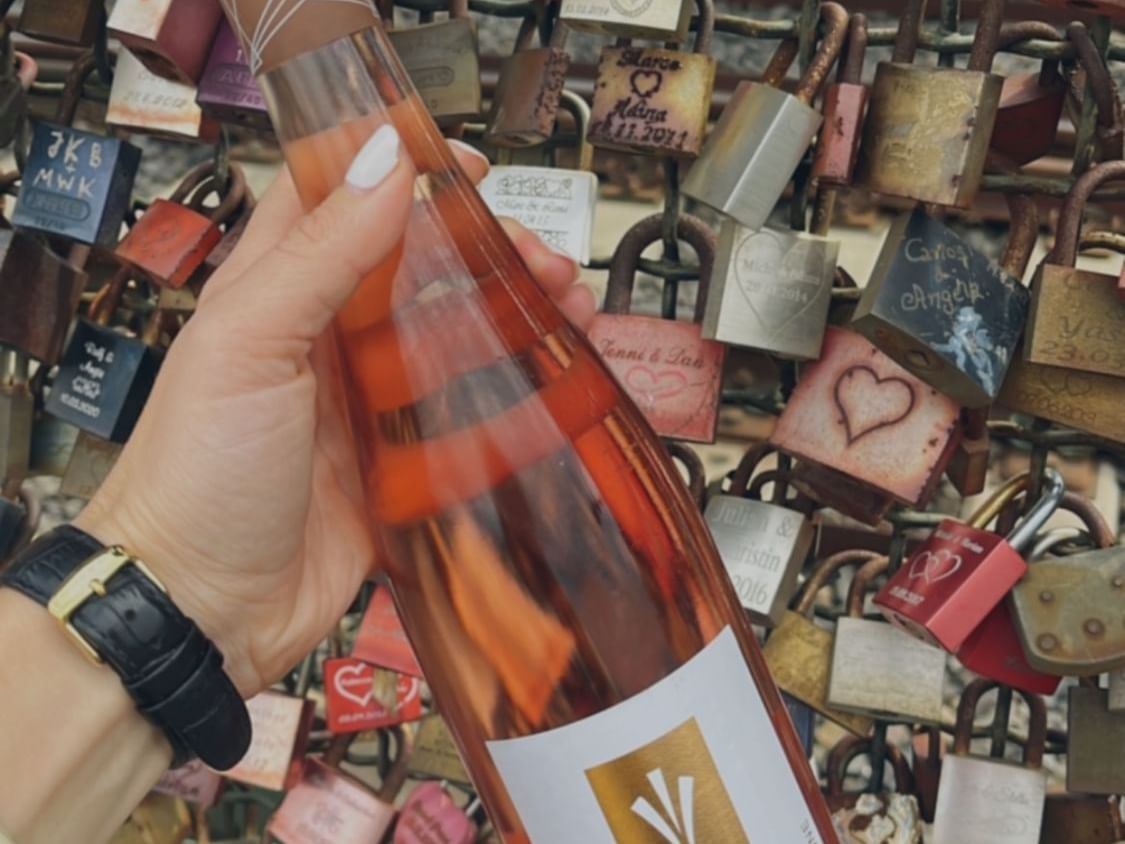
(353, 705)
(381, 639)
(171, 241)
(1031, 104)
(430, 816)
(845, 103)
(962, 571)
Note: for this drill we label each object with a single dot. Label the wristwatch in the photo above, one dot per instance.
(118, 613)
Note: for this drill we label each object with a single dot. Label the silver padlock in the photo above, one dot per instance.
(556, 203)
(762, 544)
(773, 287)
(880, 670)
(662, 20)
(764, 133)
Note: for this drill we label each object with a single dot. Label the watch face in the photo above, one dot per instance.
(631, 8)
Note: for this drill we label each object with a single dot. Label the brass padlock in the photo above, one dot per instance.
(942, 310)
(665, 20)
(928, 128)
(799, 652)
(443, 60)
(1077, 320)
(763, 544)
(140, 101)
(435, 754)
(73, 22)
(526, 99)
(1095, 738)
(880, 670)
(1083, 400)
(655, 101)
(773, 287)
(764, 133)
(158, 820)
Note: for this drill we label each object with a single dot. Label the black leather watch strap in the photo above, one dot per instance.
(172, 671)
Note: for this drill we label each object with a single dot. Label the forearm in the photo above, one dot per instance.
(75, 757)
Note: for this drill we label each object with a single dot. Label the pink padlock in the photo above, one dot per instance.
(430, 816)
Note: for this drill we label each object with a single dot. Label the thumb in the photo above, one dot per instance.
(294, 291)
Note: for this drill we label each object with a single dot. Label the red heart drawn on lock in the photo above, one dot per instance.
(430, 816)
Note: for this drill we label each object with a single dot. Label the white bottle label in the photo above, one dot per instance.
(692, 760)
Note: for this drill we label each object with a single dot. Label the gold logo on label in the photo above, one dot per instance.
(667, 792)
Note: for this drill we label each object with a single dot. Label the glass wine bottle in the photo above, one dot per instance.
(559, 587)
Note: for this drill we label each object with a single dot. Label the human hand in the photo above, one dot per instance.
(240, 486)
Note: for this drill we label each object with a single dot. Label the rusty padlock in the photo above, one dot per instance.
(526, 100)
(172, 38)
(73, 22)
(142, 102)
(872, 815)
(1031, 104)
(665, 366)
(845, 106)
(1095, 736)
(655, 101)
(1110, 128)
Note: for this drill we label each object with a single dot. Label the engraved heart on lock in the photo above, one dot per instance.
(770, 266)
(869, 403)
(645, 83)
(352, 677)
(944, 562)
(649, 386)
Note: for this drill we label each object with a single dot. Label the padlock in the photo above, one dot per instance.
(1116, 699)
(1095, 737)
(556, 203)
(430, 815)
(655, 101)
(1077, 320)
(17, 73)
(52, 442)
(953, 581)
(880, 670)
(773, 287)
(159, 819)
(281, 725)
(1031, 104)
(1083, 400)
(764, 133)
(358, 814)
(845, 106)
(352, 705)
(667, 20)
(841, 492)
(76, 184)
(142, 102)
(942, 310)
(526, 99)
(989, 800)
(192, 782)
(859, 815)
(172, 38)
(228, 91)
(689, 466)
(170, 242)
(799, 652)
(762, 544)
(968, 468)
(1110, 127)
(994, 650)
(1081, 819)
(435, 754)
(17, 410)
(91, 461)
(858, 412)
(104, 377)
(928, 747)
(73, 22)
(1067, 610)
(443, 60)
(381, 639)
(666, 367)
(804, 722)
(928, 128)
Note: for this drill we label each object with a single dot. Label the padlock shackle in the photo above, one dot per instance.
(458, 8)
(850, 748)
(983, 51)
(1101, 83)
(909, 27)
(399, 771)
(855, 51)
(1048, 540)
(780, 62)
(83, 66)
(747, 466)
(1000, 499)
(232, 196)
(1052, 495)
(1097, 528)
(835, 19)
(780, 480)
(861, 583)
(1023, 234)
(824, 571)
(691, 461)
(529, 26)
(706, 26)
(623, 266)
(105, 301)
(580, 111)
(1065, 252)
(966, 712)
(975, 422)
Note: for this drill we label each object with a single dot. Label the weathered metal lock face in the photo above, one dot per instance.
(171, 37)
(39, 293)
(17, 412)
(942, 310)
(968, 468)
(763, 134)
(1081, 819)
(91, 461)
(799, 652)
(1096, 736)
(1083, 400)
(845, 106)
(666, 367)
(1077, 320)
(962, 571)
(280, 732)
(857, 411)
(140, 101)
(1116, 699)
(52, 442)
(989, 799)
(1031, 104)
(654, 101)
(526, 100)
(73, 22)
(435, 754)
(667, 20)
(763, 545)
(772, 290)
(880, 670)
(228, 91)
(842, 493)
(443, 60)
(358, 814)
(928, 129)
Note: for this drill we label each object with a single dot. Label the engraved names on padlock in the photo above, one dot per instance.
(141, 101)
(193, 781)
(326, 807)
(1001, 804)
(555, 204)
(228, 90)
(280, 724)
(1079, 322)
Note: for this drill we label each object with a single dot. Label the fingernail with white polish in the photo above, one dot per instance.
(376, 160)
(470, 149)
